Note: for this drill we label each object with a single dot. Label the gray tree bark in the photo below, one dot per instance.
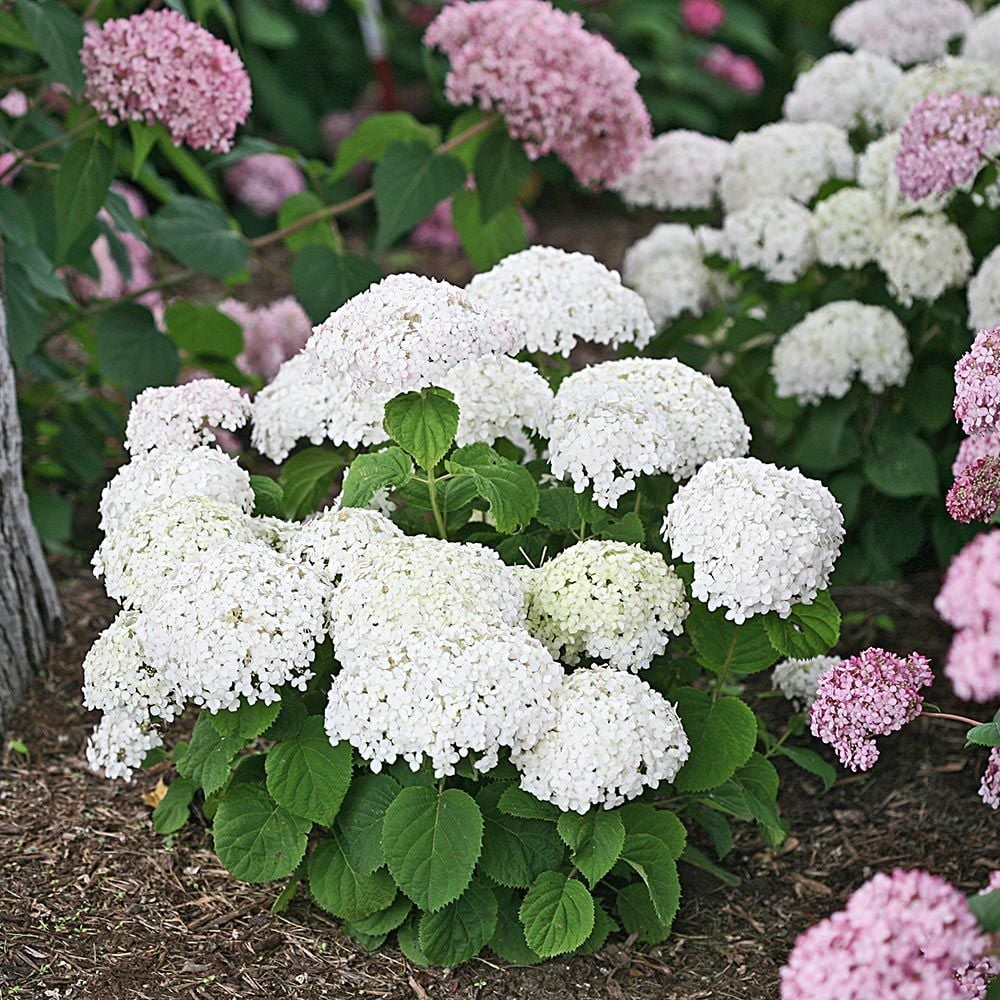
(30, 614)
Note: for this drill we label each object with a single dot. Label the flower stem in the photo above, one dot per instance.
(435, 507)
(951, 718)
(30, 154)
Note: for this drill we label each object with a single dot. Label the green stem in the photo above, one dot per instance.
(638, 501)
(288, 893)
(30, 154)
(435, 507)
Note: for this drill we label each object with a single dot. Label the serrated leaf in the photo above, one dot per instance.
(558, 509)
(342, 888)
(517, 802)
(501, 169)
(174, 809)
(486, 243)
(203, 330)
(431, 843)
(639, 916)
(901, 465)
(628, 529)
(722, 734)
(209, 756)
(247, 722)
(384, 921)
(132, 354)
(596, 839)
(308, 775)
(268, 497)
(653, 863)
(424, 423)
(408, 937)
(290, 719)
(508, 941)
(509, 488)
(810, 630)
(638, 817)
(324, 280)
(85, 175)
(375, 471)
(986, 735)
(370, 140)
(58, 35)
(698, 859)
(812, 762)
(361, 815)
(306, 478)
(727, 648)
(197, 232)
(460, 931)
(557, 914)
(256, 839)
(603, 926)
(759, 781)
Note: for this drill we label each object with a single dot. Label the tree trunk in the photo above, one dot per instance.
(30, 615)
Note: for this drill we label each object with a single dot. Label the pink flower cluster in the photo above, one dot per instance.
(872, 694)
(975, 494)
(945, 142)
(702, 16)
(159, 67)
(738, 71)
(902, 936)
(970, 602)
(263, 182)
(989, 790)
(977, 384)
(271, 333)
(559, 88)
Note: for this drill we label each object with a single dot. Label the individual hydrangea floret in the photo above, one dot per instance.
(982, 38)
(183, 416)
(877, 174)
(946, 76)
(160, 68)
(264, 181)
(846, 89)
(760, 538)
(849, 226)
(560, 88)
(872, 694)
(785, 160)
(407, 332)
(606, 600)
(923, 257)
(977, 384)
(833, 345)
(618, 420)
(613, 736)
(798, 680)
(906, 31)
(774, 235)
(975, 494)
(984, 293)
(989, 788)
(905, 934)
(272, 333)
(680, 170)
(562, 298)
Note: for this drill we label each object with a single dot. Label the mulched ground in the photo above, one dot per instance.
(95, 904)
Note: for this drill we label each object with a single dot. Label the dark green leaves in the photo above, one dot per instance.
(209, 756)
(268, 497)
(486, 243)
(509, 488)
(306, 478)
(342, 888)
(203, 331)
(85, 174)
(361, 815)
(901, 464)
(373, 472)
(325, 280)
(986, 909)
(424, 423)
(516, 802)
(557, 914)
(653, 863)
(248, 721)
(461, 929)
(371, 139)
(722, 735)
(197, 232)
(132, 354)
(58, 34)
(727, 648)
(173, 810)
(986, 735)
(596, 839)
(810, 630)
(501, 170)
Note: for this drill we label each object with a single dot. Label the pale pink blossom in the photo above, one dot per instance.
(989, 789)
(738, 71)
(702, 16)
(263, 182)
(977, 384)
(976, 447)
(271, 333)
(14, 104)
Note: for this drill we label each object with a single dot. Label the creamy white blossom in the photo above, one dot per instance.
(606, 600)
(785, 160)
(797, 680)
(982, 38)
(942, 77)
(833, 345)
(849, 227)
(409, 331)
(846, 89)
(774, 235)
(562, 298)
(615, 421)
(877, 174)
(679, 169)
(760, 538)
(119, 744)
(923, 257)
(613, 737)
(984, 294)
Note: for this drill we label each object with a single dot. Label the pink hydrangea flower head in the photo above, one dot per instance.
(263, 181)
(159, 67)
(973, 664)
(702, 16)
(872, 694)
(970, 593)
(989, 790)
(901, 936)
(974, 448)
(738, 71)
(977, 384)
(975, 494)
(271, 334)
(14, 104)
(559, 88)
(945, 142)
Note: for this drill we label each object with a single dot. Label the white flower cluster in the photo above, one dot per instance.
(798, 680)
(774, 235)
(562, 298)
(821, 355)
(784, 160)
(923, 257)
(982, 38)
(943, 77)
(667, 269)
(846, 89)
(302, 402)
(606, 600)
(906, 31)
(849, 226)
(984, 294)
(760, 538)
(409, 331)
(182, 416)
(678, 170)
(614, 421)
(613, 736)
(877, 174)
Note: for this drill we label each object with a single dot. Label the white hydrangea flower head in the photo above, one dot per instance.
(618, 420)
(562, 298)
(304, 403)
(119, 744)
(846, 89)
(774, 235)
(679, 170)
(906, 31)
(182, 416)
(606, 600)
(172, 474)
(982, 38)
(849, 227)
(447, 692)
(833, 345)
(923, 257)
(877, 174)
(407, 332)
(613, 737)
(984, 294)
(785, 160)
(943, 77)
(798, 680)
(499, 398)
(760, 538)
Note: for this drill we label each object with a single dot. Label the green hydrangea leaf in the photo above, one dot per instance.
(557, 914)
(460, 930)
(341, 888)
(596, 839)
